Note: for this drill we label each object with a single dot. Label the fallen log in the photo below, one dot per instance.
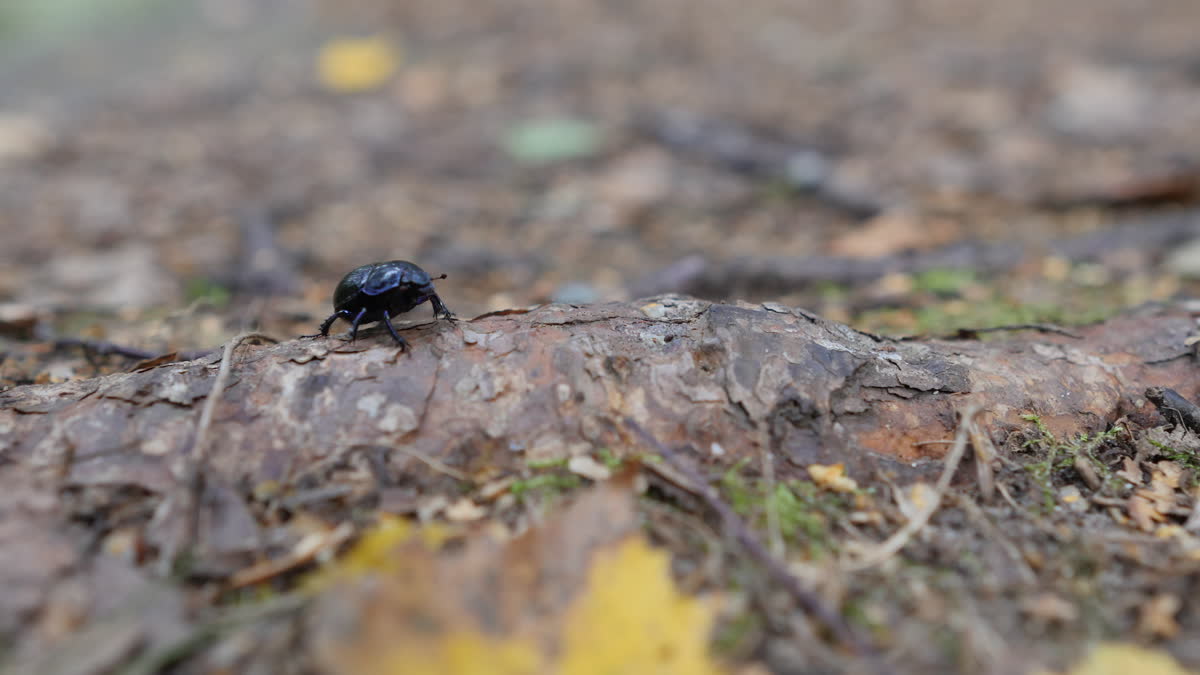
(478, 396)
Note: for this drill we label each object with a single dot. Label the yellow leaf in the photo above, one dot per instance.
(832, 477)
(461, 652)
(630, 619)
(376, 551)
(579, 595)
(356, 64)
(1113, 658)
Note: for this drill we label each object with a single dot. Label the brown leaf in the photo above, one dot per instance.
(1143, 512)
(1131, 472)
(1156, 616)
(893, 232)
(1050, 608)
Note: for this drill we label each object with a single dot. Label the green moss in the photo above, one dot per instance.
(944, 280)
(546, 463)
(1057, 456)
(207, 291)
(732, 635)
(830, 291)
(544, 485)
(609, 458)
(805, 512)
(1185, 459)
(737, 489)
(946, 312)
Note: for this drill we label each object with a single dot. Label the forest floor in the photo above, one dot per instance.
(178, 173)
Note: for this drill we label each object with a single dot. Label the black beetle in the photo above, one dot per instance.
(379, 291)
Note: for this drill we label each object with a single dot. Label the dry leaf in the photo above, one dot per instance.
(1119, 659)
(584, 593)
(376, 551)
(832, 477)
(1050, 608)
(1073, 499)
(1131, 472)
(356, 64)
(892, 232)
(1156, 617)
(916, 499)
(1143, 512)
(1167, 473)
(631, 619)
(587, 467)
(464, 511)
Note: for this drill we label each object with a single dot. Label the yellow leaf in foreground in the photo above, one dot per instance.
(377, 550)
(1120, 659)
(461, 652)
(581, 594)
(832, 477)
(630, 619)
(358, 64)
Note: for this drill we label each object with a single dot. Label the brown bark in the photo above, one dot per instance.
(484, 394)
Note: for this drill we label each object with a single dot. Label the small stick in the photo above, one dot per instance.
(775, 568)
(972, 333)
(304, 552)
(197, 450)
(774, 529)
(102, 348)
(897, 541)
(421, 457)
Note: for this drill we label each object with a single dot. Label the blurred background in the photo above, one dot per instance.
(176, 171)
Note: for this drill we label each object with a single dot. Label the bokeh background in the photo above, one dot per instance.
(176, 171)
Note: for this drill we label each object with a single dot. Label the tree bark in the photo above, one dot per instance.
(481, 395)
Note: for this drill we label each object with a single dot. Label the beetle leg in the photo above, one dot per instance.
(328, 323)
(387, 321)
(324, 332)
(440, 308)
(354, 324)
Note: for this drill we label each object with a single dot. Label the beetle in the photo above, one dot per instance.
(379, 291)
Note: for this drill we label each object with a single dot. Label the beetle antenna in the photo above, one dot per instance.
(441, 277)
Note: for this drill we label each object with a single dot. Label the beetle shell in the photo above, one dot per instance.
(380, 291)
(377, 279)
(396, 286)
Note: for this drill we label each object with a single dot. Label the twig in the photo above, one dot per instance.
(198, 448)
(1009, 498)
(103, 348)
(985, 456)
(428, 461)
(897, 541)
(774, 529)
(305, 551)
(972, 333)
(774, 567)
